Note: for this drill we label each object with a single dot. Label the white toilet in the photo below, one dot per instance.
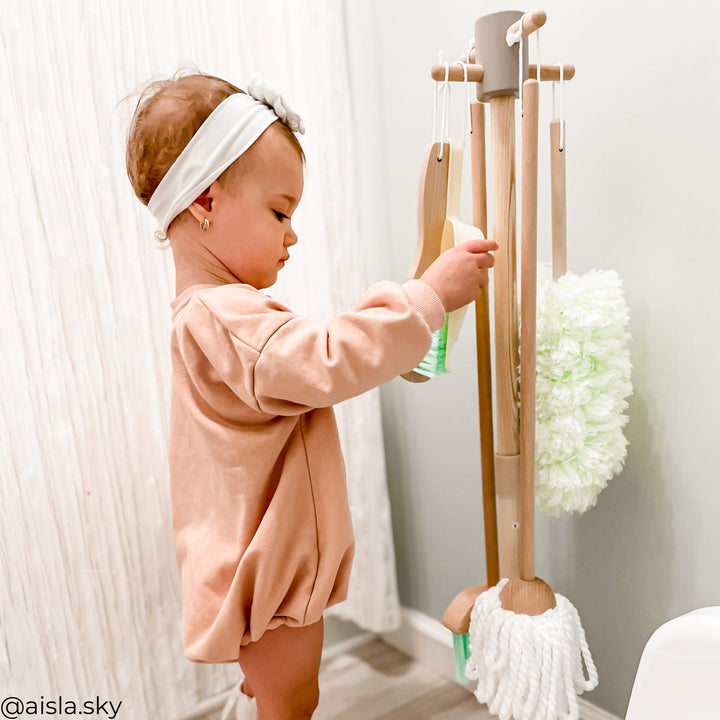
(679, 673)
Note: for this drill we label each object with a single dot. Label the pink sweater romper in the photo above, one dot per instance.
(260, 512)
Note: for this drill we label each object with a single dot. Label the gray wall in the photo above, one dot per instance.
(643, 192)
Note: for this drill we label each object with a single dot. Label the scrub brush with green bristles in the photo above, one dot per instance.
(461, 648)
(435, 361)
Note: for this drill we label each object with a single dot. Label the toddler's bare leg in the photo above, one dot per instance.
(281, 671)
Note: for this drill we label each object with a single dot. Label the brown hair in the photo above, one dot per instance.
(168, 114)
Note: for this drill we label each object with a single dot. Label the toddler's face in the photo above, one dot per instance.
(251, 230)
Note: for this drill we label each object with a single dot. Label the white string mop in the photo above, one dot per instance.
(529, 668)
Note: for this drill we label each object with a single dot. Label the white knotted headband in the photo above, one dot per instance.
(229, 131)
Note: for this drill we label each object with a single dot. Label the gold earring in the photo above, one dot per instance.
(205, 224)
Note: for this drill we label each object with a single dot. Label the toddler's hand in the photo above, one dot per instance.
(457, 274)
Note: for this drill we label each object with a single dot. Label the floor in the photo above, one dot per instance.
(376, 682)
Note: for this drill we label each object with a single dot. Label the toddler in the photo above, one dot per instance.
(261, 522)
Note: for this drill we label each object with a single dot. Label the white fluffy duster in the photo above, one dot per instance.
(582, 381)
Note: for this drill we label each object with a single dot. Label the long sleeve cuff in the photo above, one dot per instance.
(426, 302)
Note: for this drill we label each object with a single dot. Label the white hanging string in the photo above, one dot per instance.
(435, 111)
(444, 87)
(520, 70)
(517, 37)
(445, 128)
(512, 37)
(466, 120)
(436, 87)
(562, 109)
(445, 110)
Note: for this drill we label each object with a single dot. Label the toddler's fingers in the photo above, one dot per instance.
(485, 260)
(479, 245)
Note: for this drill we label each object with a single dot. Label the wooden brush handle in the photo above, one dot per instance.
(528, 285)
(432, 207)
(482, 343)
(432, 210)
(557, 193)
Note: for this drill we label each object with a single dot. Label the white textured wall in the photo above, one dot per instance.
(90, 603)
(89, 593)
(643, 182)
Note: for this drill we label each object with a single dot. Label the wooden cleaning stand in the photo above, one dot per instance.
(508, 451)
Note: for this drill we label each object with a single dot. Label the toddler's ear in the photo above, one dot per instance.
(202, 205)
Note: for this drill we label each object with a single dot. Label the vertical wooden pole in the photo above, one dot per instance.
(502, 110)
(482, 344)
(528, 286)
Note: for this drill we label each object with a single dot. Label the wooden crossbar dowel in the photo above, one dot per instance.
(530, 22)
(456, 73)
(551, 72)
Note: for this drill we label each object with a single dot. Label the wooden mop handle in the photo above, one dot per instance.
(482, 343)
(528, 286)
